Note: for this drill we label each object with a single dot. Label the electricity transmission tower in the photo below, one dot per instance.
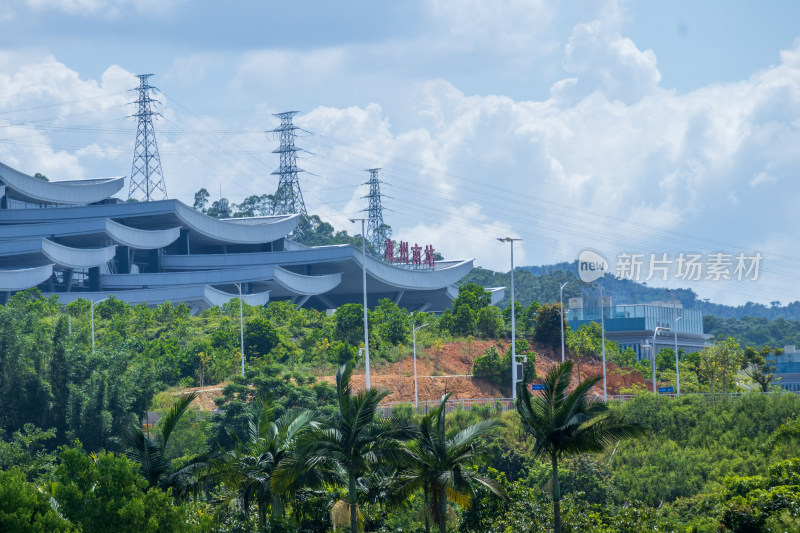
(147, 180)
(288, 198)
(377, 231)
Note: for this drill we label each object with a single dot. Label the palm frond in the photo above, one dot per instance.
(167, 423)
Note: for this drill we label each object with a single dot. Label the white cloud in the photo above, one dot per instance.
(465, 233)
(105, 8)
(516, 26)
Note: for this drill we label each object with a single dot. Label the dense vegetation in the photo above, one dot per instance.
(541, 284)
(274, 457)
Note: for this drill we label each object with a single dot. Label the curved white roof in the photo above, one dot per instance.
(409, 279)
(217, 297)
(306, 285)
(200, 296)
(24, 278)
(77, 257)
(59, 192)
(252, 231)
(141, 239)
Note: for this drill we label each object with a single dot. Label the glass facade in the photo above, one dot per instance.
(638, 317)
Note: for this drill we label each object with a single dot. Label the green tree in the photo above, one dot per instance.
(547, 325)
(27, 451)
(461, 318)
(760, 367)
(581, 343)
(201, 199)
(489, 322)
(352, 443)
(442, 464)
(474, 296)
(26, 509)
(248, 470)
(151, 452)
(720, 362)
(491, 366)
(260, 338)
(104, 492)
(349, 320)
(567, 423)
(392, 322)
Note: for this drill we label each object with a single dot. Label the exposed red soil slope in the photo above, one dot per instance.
(445, 370)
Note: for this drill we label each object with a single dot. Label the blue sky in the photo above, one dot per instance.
(622, 126)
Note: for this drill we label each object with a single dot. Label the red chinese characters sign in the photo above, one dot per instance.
(416, 259)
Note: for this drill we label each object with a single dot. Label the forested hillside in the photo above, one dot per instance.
(293, 448)
(541, 283)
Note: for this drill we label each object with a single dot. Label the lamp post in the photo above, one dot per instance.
(241, 324)
(414, 330)
(364, 283)
(93, 303)
(513, 322)
(561, 298)
(654, 354)
(677, 370)
(603, 339)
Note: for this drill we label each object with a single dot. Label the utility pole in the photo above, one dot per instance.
(561, 299)
(288, 198)
(514, 378)
(147, 179)
(364, 281)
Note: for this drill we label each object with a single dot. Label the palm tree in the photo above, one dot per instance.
(248, 469)
(353, 442)
(150, 452)
(568, 423)
(441, 464)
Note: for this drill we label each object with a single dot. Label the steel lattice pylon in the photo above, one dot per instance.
(288, 198)
(377, 231)
(147, 180)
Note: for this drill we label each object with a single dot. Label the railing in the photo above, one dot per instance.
(507, 404)
(424, 407)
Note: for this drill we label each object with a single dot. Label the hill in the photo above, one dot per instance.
(541, 284)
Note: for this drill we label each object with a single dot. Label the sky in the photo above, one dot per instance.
(623, 127)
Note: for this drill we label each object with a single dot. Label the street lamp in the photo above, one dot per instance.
(603, 338)
(241, 324)
(561, 298)
(513, 322)
(364, 282)
(93, 303)
(414, 335)
(654, 354)
(677, 371)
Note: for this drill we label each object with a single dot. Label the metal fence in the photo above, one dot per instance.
(500, 405)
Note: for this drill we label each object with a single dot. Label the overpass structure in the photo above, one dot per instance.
(73, 239)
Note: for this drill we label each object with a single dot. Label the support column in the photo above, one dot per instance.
(94, 279)
(183, 242)
(123, 259)
(152, 261)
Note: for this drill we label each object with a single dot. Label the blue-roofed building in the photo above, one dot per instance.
(787, 369)
(73, 239)
(633, 325)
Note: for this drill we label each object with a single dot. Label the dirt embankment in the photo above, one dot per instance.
(447, 369)
(436, 371)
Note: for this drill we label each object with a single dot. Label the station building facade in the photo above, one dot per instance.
(73, 239)
(634, 325)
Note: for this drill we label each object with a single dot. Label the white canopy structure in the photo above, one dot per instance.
(74, 240)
